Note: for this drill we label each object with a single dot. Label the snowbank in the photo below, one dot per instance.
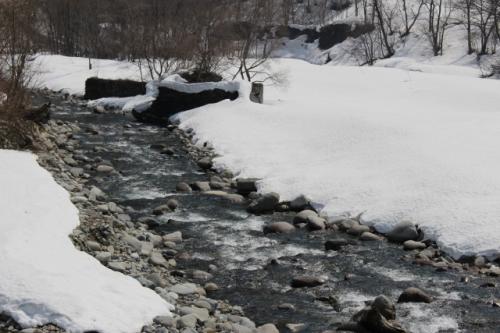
(394, 144)
(44, 279)
(69, 74)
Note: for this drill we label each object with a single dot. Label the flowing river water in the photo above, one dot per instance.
(254, 270)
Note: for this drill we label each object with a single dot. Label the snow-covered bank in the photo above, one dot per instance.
(44, 279)
(394, 144)
(68, 74)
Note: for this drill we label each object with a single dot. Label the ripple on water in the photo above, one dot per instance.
(419, 318)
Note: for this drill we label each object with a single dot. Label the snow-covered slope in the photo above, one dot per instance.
(43, 278)
(394, 144)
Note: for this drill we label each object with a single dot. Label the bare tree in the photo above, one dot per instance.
(411, 13)
(439, 12)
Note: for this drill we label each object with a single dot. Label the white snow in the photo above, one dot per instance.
(68, 74)
(44, 279)
(394, 144)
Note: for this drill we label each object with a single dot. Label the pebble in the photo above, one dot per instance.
(188, 320)
(279, 227)
(184, 288)
(172, 204)
(337, 244)
(158, 259)
(211, 287)
(205, 163)
(183, 187)
(119, 266)
(201, 186)
(410, 245)
(92, 245)
(307, 281)
(175, 237)
(295, 328)
(267, 328)
(104, 168)
(201, 313)
(368, 236)
(357, 230)
(303, 216)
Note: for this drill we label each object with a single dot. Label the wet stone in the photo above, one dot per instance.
(414, 295)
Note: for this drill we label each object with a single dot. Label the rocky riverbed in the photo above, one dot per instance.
(233, 261)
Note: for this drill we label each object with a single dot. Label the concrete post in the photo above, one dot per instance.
(257, 94)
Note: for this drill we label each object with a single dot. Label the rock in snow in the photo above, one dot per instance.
(52, 282)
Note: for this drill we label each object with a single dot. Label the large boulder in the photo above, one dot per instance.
(96, 88)
(176, 97)
(377, 317)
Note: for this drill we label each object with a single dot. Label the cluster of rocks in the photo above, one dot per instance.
(420, 250)
(379, 315)
(136, 248)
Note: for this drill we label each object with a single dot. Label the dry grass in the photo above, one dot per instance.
(16, 132)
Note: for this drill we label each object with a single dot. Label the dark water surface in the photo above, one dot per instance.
(224, 235)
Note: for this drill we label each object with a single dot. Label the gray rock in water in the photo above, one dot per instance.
(245, 186)
(368, 236)
(201, 275)
(183, 187)
(279, 228)
(201, 186)
(316, 223)
(173, 204)
(267, 328)
(205, 163)
(104, 168)
(414, 295)
(377, 317)
(413, 245)
(160, 210)
(307, 281)
(337, 244)
(303, 216)
(265, 203)
(402, 232)
(385, 306)
(357, 230)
